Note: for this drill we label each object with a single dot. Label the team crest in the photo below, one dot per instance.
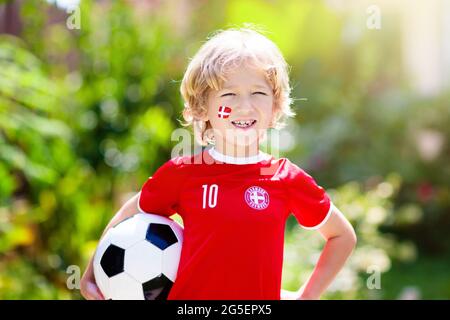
(257, 198)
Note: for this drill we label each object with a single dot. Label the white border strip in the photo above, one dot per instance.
(330, 210)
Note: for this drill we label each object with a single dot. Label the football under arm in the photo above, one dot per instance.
(127, 210)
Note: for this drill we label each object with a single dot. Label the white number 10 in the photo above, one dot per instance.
(211, 193)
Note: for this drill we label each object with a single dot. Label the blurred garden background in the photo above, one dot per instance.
(89, 97)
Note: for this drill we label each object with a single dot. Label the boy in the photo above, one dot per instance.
(234, 199)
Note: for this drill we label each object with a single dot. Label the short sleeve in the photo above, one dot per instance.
(308, 202)
(159, 194)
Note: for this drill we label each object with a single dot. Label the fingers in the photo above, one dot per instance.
(288, 295)
(90, 291)
(98, 294)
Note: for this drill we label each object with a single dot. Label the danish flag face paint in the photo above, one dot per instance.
(224, 112)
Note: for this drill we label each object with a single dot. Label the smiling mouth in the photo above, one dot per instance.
(243, 124)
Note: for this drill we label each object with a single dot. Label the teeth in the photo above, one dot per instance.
(243, 123)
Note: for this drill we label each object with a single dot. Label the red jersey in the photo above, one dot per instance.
(234, 212)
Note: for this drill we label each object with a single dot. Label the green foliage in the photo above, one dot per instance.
(70, 138)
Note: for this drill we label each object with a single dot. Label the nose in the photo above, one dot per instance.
(244, 106)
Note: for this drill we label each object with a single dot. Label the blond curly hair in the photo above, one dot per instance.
(223, 51)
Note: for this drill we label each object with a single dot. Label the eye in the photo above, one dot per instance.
(227, 94)
(260, 92)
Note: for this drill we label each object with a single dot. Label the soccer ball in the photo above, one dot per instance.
(138, 258)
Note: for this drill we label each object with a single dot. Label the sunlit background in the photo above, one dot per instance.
(89, 97)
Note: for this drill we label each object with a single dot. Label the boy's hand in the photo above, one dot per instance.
(296, 295)
(289, 295)
(89, 288)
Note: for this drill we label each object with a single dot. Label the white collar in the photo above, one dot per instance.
(237, 160)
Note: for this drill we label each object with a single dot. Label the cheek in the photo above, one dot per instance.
(220, 110)
(266, 107)
(219, 117)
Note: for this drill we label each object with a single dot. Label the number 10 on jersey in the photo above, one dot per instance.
(210, 195)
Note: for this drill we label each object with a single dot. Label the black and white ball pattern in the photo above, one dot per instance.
(138, 258)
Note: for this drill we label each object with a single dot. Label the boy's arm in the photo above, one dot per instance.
(88, 286)
(341, 240)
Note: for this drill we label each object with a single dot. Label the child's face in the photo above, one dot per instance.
(248, 94)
